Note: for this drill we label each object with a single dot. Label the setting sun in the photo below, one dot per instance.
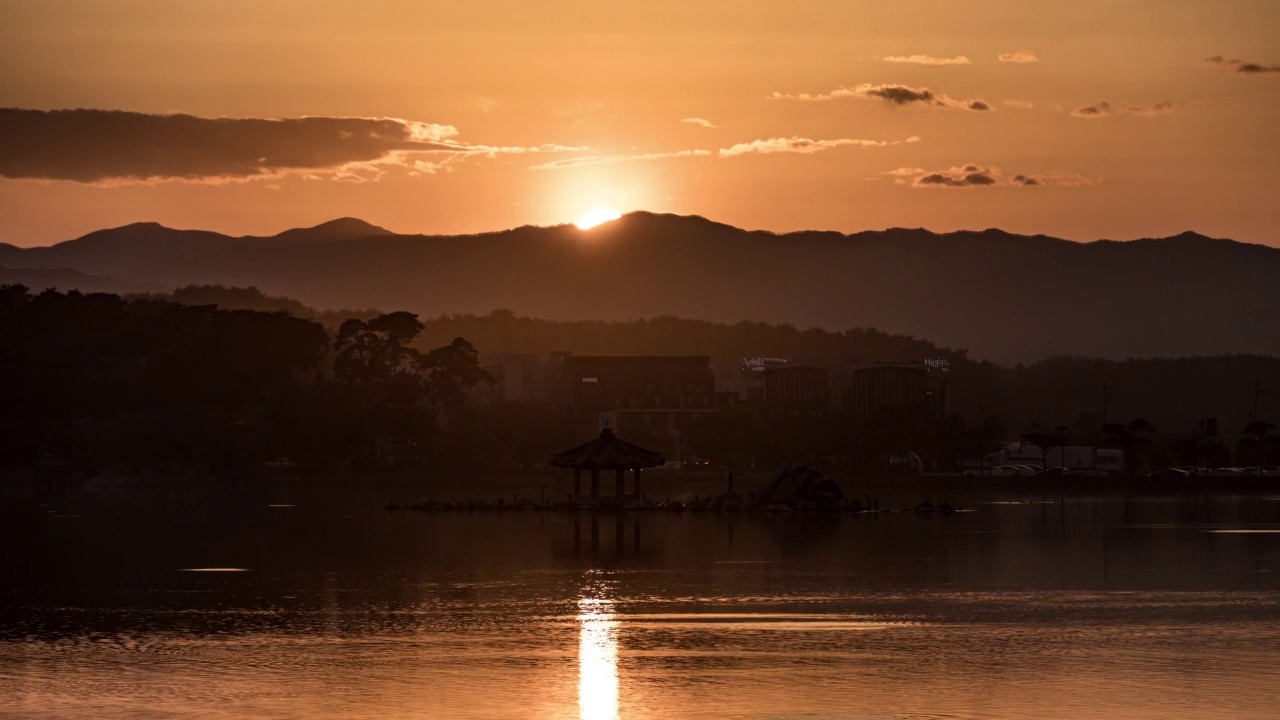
(597, 216)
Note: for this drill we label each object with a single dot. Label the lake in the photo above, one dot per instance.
(308, 604)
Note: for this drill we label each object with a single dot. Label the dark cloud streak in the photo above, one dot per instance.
(1099, 110)
(901, 94)
(1249, 68)
(103, 146)
(891, 93)
(971, 176)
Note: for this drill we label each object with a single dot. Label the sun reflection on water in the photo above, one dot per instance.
(597, 660)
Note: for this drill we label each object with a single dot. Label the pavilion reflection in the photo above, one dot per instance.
(614, 536)
(597, 660)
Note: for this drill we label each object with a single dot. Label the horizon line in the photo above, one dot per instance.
(630, 214)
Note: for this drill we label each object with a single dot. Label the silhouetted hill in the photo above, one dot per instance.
(66, 280)
(1004, 296)
(341, 229)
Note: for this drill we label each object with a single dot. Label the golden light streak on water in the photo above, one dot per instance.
(597, 660)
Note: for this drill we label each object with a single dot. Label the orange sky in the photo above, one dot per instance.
(827, 114)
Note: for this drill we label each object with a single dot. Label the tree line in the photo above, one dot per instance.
(156, 387)
(220, 380)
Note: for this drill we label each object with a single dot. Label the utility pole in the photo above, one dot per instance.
(1262, 435)
(982, 441)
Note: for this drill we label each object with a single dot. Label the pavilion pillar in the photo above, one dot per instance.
(637, 483)
(595, 483)
(577, 483)
(619, 478)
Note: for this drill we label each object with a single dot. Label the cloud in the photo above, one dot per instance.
(799, 145)
(927, 60)
(805, 145)
(1022, 56)
(1092, 112)
(837, 94)
(699, 122)
(611, 159)
(967, 176)
(1104, 109)
(1251, 68)
(1055, 179)
(112, 146)
(899, 95)
(1019, 104)
(979, 176)
(1164, 108)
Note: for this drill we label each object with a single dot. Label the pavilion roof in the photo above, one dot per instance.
(607, 451)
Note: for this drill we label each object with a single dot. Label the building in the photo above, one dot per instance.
(797, 390)
(1083, 460)
(747, 380)
(651, 398)
(518, 377)
(887, 385)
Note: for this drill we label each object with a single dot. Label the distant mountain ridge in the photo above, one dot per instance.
(1003, 296)
(38, 279)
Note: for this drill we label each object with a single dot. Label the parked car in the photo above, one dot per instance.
(996, 471)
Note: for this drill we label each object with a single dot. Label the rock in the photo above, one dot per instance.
(801, 486)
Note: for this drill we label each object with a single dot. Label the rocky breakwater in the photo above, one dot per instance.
(792, 488)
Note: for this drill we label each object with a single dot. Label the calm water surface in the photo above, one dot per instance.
(303, 605)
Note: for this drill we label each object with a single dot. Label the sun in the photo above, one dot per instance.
(597, 216)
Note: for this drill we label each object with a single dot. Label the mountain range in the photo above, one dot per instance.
(1005, 297)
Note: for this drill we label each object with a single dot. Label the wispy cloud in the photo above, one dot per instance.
(700, 122)
(893, 94)
(1018, 104)
(1104, 109)
(1093, 112)
(769, 146)
(611, 159)
(1164, 108)
(926, 60)
(1055, 179)
(113, 147)
(1021, 56)
(1251, 68)
(966, 176)
(983, 176)
(805, 145)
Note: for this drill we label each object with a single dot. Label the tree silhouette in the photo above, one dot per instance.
(150, 386)
(1129, 437)
(1257, 436)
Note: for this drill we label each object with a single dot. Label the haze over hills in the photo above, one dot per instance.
(71, 279)
(1004, 297)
